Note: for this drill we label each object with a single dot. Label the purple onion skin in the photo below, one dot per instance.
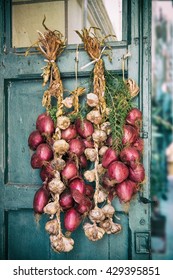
(66, 200)
(129, 155)
(69, 133)
(72, 219)
(130, 135)
(35, 139)
(76, 146)
(125, 190)
(46, 172)
(45, 124)
(109, 156)
(134, 117)
(36, 163)
(44, 152)
(41, 198)
(118, 171)
(137, 174)
(69, 171)
(84, 128)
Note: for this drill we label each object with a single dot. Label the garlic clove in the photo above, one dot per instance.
(58, 164)
(102, 150)
(106, 127)
(102, 196)
(93, 232)
(52, 226)
(68, 244)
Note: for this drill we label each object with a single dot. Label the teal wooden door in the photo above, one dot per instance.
(20, 95)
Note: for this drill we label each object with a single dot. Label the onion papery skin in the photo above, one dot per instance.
(109, 141)
(84, 206)
(139, 145)
(125, 190)
(88, 143)
(137, 173)
(130, 156)
(109, 156)
(45, 124)
(36, 163)
(66, 200)
(89, 191)
(35, 139)
(83, 161)
(41, 198)
(69, 133)
(130, 135)
(107, 182)
(47, 172)
(84, 128)
(118, 171)
(77, 184)
(69, 171)
(76, 146)
(72, 219)
(44, 152)
(134, 117)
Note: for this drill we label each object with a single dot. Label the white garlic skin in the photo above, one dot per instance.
(63, 122)
(60, 147)
(92, 99)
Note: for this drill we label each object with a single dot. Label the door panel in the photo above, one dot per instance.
(20, 95)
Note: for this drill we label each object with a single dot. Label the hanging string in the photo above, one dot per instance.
(125, 56)
(76, 65)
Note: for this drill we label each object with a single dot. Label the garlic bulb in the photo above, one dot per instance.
(102, 150)
(106, 127)
(58, 164)
(93, 232)
(51, 208)
(108, 210)
(96, 215)
(63, 122)
(102, 196)
(52, 226)
(99, 135)
(92, 100)
(68, 102)
(57, 134)
(90, 175)
(56, 186)
(60, 243)
(94, 116)
(91, 154)
(110, 227)
(61, 147)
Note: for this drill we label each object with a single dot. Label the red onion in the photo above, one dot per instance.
(88, 143)
(129, 156)
(69, 133)
(66, 200)
(89, 191)
(137, 173)
(84, 206)
(139, 145)
(130, 135)
(109, 156)
(77, 184)
(118, 171)
(47, 172)
(84, 128)
(69, 171)
(41, 198)
(109, 141)
(83, 161)
(44, 152)
(35, 139)
(134, 117)
(125, 190)
(72, 219)
(36, 162)
(76, 146)
(45, 124)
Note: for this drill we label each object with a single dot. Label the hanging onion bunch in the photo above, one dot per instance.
(84, 160)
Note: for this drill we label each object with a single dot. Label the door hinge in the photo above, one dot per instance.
(143, 242)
